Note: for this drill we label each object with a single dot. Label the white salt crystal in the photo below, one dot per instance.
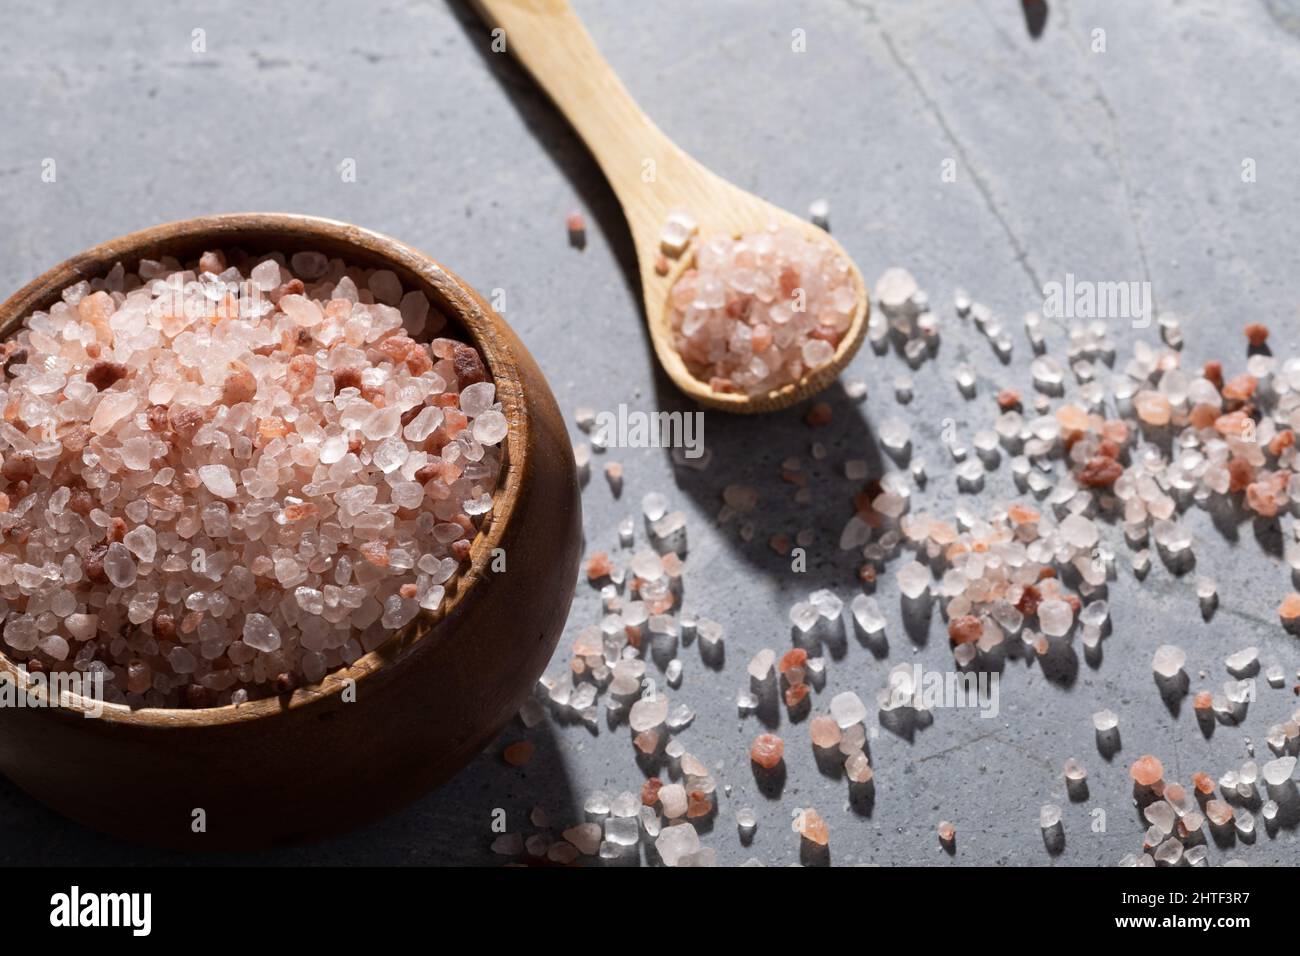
(648, 713)
(1243, 663)
(760, 667)
(894, 291)
(490, 427)
(82, 627)
(673, 800)
(1168, 661)
(676, 233)
(654, 506)
(218, 480)
(819, 212)
(142, 541)
(622, 831)
(827, 603)
(676, 843)
(1278, 772)
(119, 566)
(265, 275)
(710, 633)
(894, 434)
(20, 632)
(54, 646)
(867, 614)
(1105, 721)
(913, 579)
(847, 709)
(260, 634)
(1055, 617)
(803, 616)
(382, 423)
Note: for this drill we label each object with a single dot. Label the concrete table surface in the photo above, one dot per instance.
(1115, 165)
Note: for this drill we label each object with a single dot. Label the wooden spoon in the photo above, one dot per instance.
(549, 39)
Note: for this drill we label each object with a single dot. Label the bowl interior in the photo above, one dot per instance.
(467, 319)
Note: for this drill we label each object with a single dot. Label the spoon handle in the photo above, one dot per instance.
(638, 160)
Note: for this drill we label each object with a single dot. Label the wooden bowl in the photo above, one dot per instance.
(314, 762)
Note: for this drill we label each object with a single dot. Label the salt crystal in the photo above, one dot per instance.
(1278, 772)
(760, 667)
(654, 506)
(218, 480)
(819, 212)
(847, 709)
(142, 542)
(676, 843)
(1160, 814)
(894, 291)
(1243, 663)
(260, 634)
(803, 616)
(894, 434)
(867, 614)
(623, 831)
(1168, 661)
(1105, 721)
(710, 633)
(913, 579)
(673, 800)
(1055, 617)
(826, 602)
(119, 566)
(648, 713)
(1169, 852)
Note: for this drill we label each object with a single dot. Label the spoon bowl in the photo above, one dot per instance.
(370, 737)
(652, 178)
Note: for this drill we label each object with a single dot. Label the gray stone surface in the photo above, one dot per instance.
(1122, 165)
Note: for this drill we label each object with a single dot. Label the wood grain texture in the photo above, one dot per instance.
(309, 763)
(552, 44)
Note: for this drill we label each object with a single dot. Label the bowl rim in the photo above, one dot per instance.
(448, 293)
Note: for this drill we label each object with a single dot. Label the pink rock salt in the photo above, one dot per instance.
(767, 750)
(238, 497)
(759, 312)
(825, 732)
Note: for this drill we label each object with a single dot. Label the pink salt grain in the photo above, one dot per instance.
(767, 750)
(760, 312)
(250, 516)
(825, 732)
